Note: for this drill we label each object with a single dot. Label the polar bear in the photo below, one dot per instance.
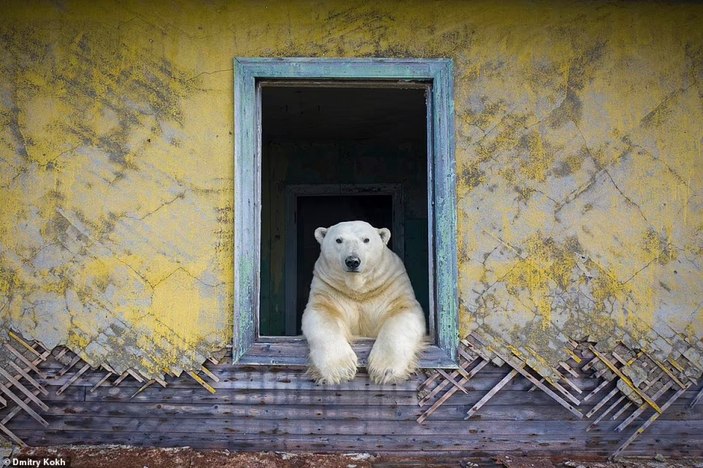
(360, 288)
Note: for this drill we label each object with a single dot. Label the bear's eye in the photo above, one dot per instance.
(339, 240)
(366, 240)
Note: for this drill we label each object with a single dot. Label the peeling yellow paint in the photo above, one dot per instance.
(578, 156)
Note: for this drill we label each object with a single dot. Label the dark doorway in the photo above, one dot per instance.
(346, 136)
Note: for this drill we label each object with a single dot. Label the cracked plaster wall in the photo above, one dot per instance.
(578, 147)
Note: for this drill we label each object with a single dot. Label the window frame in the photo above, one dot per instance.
(248, 347)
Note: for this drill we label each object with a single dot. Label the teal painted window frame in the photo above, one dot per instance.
(251, 349)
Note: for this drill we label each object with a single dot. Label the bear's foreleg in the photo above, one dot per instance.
(332, 359)
(398, 345)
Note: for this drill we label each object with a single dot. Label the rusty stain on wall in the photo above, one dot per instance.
(578, 150)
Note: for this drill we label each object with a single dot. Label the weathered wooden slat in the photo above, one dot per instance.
(491, 393)
(121, 378)
(313, 411)
(346, 425)
(340, 444)
(476, 369)
(204, 384)
(21, 388)
(519, 366)
(26, 345)
(12, 436)
(142, 388)
(101, 381)
(24, 360)
(451, 380)
(602, 402)
(23, 405)
(377, 444)
(625, 379)
(75, 377)
(28, 378)
(595, 423)
(649, 422)
(596, 390)
(696, 399)
(635, 414)
(76, 359)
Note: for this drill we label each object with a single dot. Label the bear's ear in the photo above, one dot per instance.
(320, 234)
(385, 235)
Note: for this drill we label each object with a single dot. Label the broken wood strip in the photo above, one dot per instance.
(676, 365)
(491, 393)
(534, 387)
(23, 389)
(620, 359)
(573, 355)
(666, 371)
(207, 372)
(119, 380)
(75, 377)
(568, 369)
(565, 392)
(462, 353)
(24, 405)
(142, 388)
(572, 385)
(635, 414)
(625, 379)
(12, 436)
(107, 376)
(451, 380)
(441, 384)
(61, 353)
(28, 378)
(600, 387)
(213, 360)
(603, 401)
(589, 364)
(605, 413)
(440, 401)
(629, 402)
(541, 386)
(447, 395)
(428, 381)
(160, 381)
(24, 360)
(16, 410)
(696, 399)
(462, 372)
(649, 422)
(70, 365)
(205, 385)
(136, 376)
(603, 371)
(444, 383)
(24, 343)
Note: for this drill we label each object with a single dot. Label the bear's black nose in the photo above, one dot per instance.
(352, 262)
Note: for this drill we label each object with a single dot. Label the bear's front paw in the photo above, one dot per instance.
(388, 368)
(333, 367)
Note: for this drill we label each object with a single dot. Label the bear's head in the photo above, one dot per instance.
(352, 246)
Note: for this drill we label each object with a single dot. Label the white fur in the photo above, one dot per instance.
(376, 301)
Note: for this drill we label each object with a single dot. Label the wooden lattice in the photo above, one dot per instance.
(28, 368)
(629, 384)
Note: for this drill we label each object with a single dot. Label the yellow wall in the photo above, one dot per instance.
(579, 128)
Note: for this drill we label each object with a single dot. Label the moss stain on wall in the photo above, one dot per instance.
(579, 155)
